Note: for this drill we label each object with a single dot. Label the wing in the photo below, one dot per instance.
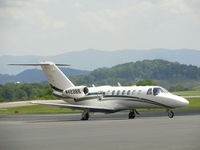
(79, 107)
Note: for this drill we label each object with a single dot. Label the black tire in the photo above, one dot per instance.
(85, 117)
(170, 114)
(131, 115)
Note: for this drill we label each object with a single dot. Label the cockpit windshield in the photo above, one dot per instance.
(165, 90)
(158, 90)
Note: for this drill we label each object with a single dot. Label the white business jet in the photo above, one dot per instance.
(106, 99)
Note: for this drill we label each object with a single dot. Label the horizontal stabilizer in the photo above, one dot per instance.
(54, 75)
(42, 64)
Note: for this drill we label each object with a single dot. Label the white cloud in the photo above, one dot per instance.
(97, 22)
(11, 13)
(182, 7)
(196, 9)
(143, 7)
(175, 6)
(14, 3)
(28, 12)
(59, 24)
(79, 24)
(77, 4)
(106, 19)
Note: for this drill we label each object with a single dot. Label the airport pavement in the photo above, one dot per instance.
(149, 131)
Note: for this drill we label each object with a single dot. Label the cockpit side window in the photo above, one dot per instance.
(149, 92)
(165, 91)
(156, 91)
(129, 91)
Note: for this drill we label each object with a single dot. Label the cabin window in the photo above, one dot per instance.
(108, 92)
(113, 92)
(123, 92)
(139, 91)
(133, 92)
(149, 92)
(118, 92)
(129, 91)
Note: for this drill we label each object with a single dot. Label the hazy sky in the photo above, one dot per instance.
(50, 27)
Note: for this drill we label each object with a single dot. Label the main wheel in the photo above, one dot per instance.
(85, 116)
(170, 114)
(131, 115)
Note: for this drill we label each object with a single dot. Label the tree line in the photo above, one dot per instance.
(26, 91)
(30, 91)
(159, 70)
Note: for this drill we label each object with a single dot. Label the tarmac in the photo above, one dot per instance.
(148, 131)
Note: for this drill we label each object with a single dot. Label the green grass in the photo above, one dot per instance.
(188, 93)
(194, 104)
(41, 109)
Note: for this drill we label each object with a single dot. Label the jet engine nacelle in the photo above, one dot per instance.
(76, 92)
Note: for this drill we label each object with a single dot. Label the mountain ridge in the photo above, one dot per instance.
(92, 59)
(165, 73)
(36, 75)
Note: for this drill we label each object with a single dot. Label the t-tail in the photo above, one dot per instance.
(56, 78)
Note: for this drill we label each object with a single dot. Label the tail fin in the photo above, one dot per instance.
(55, 76)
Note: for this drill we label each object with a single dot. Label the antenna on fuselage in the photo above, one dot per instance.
(118, 84)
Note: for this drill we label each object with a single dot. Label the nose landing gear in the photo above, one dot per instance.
(170, 113)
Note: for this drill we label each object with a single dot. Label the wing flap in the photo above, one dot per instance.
(79, 107)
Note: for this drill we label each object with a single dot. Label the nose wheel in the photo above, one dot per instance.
(170, 113)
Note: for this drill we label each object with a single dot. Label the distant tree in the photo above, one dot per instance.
(171, 72)
(129, 84)
(178, 87)
(8, 91)
(20, 94)
(26, 91)
(46, 93)
(146, 82)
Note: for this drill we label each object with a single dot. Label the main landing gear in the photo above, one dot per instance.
(85, 115)
(170, 113)
(132, 113)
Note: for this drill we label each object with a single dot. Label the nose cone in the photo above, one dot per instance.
(186, 102)
(182, 102)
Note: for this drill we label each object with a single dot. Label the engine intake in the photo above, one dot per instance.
(76, 92)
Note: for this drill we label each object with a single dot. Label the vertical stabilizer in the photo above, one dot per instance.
(55, 76)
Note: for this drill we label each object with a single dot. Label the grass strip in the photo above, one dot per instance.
(188, 93)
